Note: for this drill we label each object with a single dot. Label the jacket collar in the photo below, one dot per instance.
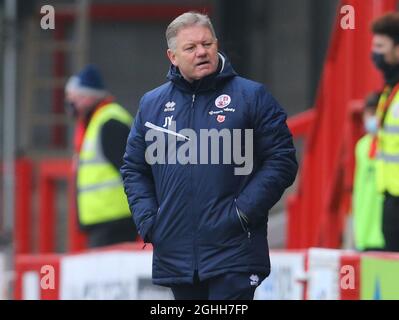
(224, 72)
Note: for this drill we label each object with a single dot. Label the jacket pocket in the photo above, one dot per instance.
(243, 223)
(226, 230)
(146, 229)
(154, 226)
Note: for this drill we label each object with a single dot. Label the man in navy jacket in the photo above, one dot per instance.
(208, 156)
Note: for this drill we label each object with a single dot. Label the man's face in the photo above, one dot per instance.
(383, 44)
(196, 53)
(367, 114)
(82, 103)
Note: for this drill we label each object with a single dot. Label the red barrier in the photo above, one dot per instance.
(327, 274)
(24, 224)
(316, 213)
(301, 123)
(49, 172)
(350, 267)
(36, 264)
(50, 264)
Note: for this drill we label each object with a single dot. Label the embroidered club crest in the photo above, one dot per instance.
(220, 118)
(222, 101)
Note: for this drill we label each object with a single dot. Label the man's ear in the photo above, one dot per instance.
(172, 57)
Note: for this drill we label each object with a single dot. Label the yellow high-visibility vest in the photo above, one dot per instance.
(367, 202)
(387, 164)
(101, 197)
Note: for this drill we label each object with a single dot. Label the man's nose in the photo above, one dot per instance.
(201, 50)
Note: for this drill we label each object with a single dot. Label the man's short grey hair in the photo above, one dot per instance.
(185, 20)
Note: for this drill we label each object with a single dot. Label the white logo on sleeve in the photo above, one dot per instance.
(254, 280)
(222, 101)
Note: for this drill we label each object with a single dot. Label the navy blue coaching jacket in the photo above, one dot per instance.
(190, 212)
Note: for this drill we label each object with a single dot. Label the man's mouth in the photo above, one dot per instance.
(202, 63)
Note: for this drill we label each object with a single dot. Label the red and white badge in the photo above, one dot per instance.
(220, 118)
(222, 101)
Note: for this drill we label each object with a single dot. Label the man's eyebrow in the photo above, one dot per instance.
(194, 42)
(190, 42)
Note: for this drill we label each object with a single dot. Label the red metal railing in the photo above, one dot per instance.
(49, 172)
(34, 263)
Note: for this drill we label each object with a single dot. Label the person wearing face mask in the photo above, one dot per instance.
(102, 128)
(385, 55)
(367, 201)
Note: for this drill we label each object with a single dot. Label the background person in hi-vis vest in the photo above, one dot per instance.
(385, 53)
(102, 128)
(367, 201)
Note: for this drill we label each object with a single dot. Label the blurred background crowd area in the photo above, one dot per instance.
(279, 43)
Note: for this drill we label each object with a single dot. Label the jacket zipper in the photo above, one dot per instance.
(191, 179)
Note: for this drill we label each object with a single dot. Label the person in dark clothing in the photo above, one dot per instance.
(101, 132)
(385, 55)
(206, 215)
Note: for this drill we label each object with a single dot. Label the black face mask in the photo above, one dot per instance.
(390, 71)
(379, 62)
